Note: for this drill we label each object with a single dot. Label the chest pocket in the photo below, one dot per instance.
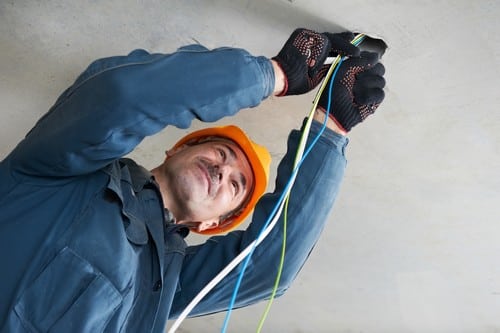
(69, 295)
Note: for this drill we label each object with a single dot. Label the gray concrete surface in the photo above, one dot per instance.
(413, 244)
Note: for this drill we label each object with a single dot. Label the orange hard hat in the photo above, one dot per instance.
(259, 159)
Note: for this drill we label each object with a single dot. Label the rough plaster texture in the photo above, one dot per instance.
(413, 243)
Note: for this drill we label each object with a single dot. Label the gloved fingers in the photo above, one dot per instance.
(316, 47)
(308, 44)
(369, 58)
(341, 44)
(368, 80)
(356, 65)
(377, 69)
(369, 84)
(302, 58)
(368, 96)
(347, 36)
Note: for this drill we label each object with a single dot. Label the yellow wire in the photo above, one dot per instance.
(297, 159)
(278, 276)
(300, 152)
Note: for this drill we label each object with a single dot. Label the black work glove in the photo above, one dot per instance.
(357, 90)
(303, 55)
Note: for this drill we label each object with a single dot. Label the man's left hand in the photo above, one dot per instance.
(303, 55)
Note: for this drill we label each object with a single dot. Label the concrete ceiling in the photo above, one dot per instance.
(413, 243)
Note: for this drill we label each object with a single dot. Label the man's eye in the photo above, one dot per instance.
(235, 186)
(222, 153)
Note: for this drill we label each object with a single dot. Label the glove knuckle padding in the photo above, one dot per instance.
(349, 77)
(309, 43)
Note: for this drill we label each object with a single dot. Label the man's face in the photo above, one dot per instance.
(206, 181)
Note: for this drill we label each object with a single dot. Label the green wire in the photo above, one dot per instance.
(297, 159)
(278, 276)
(356, 41)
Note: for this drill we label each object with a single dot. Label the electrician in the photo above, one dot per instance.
(93, 242)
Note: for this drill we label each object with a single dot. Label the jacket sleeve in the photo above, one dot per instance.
(311, 200)
(118, 101)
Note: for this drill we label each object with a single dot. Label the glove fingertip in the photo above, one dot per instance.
(378, 95)
(378, 69)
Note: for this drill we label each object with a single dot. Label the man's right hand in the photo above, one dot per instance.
(357, 90)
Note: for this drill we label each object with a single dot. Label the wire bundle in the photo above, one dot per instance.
(275, 214)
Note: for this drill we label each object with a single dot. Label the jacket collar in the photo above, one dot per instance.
(138, 176)
(143, 185)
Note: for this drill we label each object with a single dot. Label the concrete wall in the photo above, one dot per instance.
(413, 243)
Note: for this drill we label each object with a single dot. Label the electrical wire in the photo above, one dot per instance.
(270, 223)
(283, 250)
(336, 62)
(278, 275)
(230, 266)
(300, 156)
(266, 229)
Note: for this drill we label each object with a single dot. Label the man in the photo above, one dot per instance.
(91, 242)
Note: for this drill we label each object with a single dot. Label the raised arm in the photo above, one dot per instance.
(118, 101)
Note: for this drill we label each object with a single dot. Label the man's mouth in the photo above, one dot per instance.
(210, 173)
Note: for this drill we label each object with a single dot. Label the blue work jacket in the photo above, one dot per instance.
(85, 242)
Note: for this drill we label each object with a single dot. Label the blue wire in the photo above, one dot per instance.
(247, 259)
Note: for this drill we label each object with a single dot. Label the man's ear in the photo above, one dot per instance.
(172, 151)
(209, 224)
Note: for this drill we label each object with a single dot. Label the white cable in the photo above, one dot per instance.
(238, 259)
(229, 267)
(330, 60)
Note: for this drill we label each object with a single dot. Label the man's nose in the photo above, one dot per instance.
(222, 171)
